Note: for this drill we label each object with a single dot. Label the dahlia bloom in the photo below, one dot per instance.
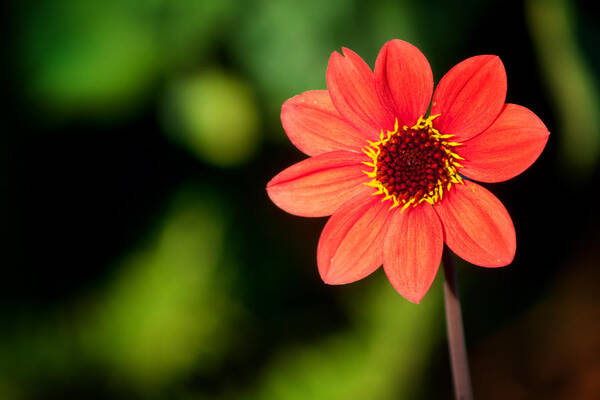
(398, 182)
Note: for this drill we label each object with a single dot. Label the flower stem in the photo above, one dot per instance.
(456, 336)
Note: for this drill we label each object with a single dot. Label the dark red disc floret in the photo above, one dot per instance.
(411, 164)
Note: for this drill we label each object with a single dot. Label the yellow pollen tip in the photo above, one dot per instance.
(408, 203)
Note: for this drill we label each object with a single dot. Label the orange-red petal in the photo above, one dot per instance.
(476, 225)
(404, 80)
(319, 185)
(315, 127)
(507, 148)
(351, 85)
(412, 251)
(351, 244)
(470, 97)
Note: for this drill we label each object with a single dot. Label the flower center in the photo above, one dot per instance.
(413, 165)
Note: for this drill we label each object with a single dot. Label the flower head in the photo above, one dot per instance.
(392, 177)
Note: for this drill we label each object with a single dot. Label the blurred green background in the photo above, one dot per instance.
(142, 259)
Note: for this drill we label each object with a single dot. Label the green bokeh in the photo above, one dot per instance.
(167, 308)
(570, 82)
(215, 115)
(381, 356)
(170, 307)
(101, 59)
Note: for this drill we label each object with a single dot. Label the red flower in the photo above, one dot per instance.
(392, 178)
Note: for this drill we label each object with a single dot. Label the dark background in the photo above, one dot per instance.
(142, 259)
